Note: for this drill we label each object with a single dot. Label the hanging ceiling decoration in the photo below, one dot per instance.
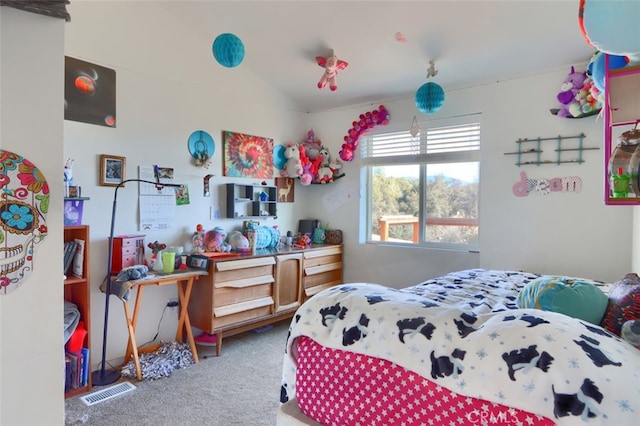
(414, 130)
(228, 50)
(430, 96)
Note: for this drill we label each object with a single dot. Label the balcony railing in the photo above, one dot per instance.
(385, 222)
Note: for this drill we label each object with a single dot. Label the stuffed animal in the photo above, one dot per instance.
(336, 165)
(589, 100)
(309, 166)
(214, 240)
(596, 66)
(238, 241)
(293, 166)
(568, 91)
(331, 66)
(312, 145)
(325, 172)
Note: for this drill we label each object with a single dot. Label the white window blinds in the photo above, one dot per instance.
(453, 143)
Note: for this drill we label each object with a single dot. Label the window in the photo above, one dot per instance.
(423, 190)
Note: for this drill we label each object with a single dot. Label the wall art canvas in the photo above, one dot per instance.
(89, 93)
(24, 204)
(247, 156)
(285, 187)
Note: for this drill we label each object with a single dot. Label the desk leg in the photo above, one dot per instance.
(184, 293)
(132, 347)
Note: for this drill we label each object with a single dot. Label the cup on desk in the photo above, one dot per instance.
(168, 262)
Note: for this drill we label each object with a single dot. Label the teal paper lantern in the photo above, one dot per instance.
(228, 50)
(429, 98)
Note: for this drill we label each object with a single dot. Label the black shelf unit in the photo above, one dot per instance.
(251, 201)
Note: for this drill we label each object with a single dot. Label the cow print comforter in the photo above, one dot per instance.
(464, 332)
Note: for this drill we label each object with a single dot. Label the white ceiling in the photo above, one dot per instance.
(471, 42)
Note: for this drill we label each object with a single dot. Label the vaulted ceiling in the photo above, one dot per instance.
(471, 42)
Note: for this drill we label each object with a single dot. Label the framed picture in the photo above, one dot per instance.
(112, 170)
(89, 92)
(285, 187)
(196, 261)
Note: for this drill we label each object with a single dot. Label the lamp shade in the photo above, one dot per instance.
(228, 50)
(429, 98)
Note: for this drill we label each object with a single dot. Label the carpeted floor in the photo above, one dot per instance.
(241, 387)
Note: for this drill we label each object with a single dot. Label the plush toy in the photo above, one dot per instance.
(214, 240)
(331, 66)
(596, 66)
(335, 165)
(309, 166)
(238, 241)
(568, 91)
(312, 145)
(589, 100)
(293, 166)
(325, 172)
(302, 241)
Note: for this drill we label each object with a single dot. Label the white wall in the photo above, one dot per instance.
(31, 355)
(168, 85)
(560, 233)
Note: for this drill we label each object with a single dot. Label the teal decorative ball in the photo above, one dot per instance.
(429, 98)
(228, 50)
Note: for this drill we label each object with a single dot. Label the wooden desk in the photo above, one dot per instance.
(184, 281)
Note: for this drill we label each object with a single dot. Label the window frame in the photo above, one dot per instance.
(366, 179)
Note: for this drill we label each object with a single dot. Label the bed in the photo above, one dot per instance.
(453, 350)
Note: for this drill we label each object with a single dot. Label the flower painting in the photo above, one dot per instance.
(247, 156)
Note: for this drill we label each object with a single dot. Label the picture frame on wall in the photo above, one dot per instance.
(112, 170)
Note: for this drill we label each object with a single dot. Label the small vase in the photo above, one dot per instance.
(158, 266)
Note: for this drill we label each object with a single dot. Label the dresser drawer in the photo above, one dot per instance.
(245, 311)
(322, 269)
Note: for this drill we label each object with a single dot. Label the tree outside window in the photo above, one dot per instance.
(423, 190)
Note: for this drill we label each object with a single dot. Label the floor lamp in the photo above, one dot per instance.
(102, 376)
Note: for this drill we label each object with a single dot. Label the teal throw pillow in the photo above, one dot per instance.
(573, 297)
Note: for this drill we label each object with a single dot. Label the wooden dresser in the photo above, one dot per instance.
(250, 291)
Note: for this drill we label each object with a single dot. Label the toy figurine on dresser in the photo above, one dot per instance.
(197, 240)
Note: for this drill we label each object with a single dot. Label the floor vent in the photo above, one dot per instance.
(107, 393)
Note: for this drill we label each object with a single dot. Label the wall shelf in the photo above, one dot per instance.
(249, 201)
(621, 108)
(535, 146)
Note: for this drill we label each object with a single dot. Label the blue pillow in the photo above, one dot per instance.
(573, 297)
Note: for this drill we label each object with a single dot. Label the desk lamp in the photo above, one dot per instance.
(102, 377)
